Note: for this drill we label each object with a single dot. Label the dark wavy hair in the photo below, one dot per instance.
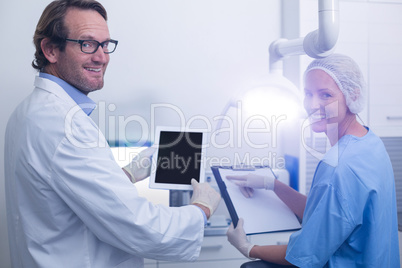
(51, 25)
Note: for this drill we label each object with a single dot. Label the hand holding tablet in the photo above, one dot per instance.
(204, 195)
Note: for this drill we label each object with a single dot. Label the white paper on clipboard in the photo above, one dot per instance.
(264, 211)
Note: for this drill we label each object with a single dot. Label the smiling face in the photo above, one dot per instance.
(83, 71)
(325, 103)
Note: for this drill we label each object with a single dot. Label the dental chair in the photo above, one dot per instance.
(261, 264)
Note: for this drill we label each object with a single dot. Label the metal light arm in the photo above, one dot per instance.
(317, 44)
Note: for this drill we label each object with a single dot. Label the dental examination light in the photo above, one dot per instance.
(276, 95)
(272, 95)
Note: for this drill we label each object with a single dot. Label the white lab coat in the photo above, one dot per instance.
(70, 205)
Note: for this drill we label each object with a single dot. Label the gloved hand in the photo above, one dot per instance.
(249, 182)
(205, 195)
(237, 237)
(140, 166)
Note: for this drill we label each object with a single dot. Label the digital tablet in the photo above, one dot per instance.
(179, 158)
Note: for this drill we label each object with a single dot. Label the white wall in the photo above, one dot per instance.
(191, 54)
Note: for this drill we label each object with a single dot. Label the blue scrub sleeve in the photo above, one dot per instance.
(327, 226)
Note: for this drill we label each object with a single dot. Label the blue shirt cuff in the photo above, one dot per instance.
(203, 214)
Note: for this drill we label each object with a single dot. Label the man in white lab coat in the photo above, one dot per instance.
(68, 202)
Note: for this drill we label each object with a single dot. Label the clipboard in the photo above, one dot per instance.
(264, 212)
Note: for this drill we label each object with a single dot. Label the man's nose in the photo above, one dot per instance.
(100, 56)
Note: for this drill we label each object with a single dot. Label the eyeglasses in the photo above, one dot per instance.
(91, 46)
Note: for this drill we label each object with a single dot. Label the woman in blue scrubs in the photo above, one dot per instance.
(349, 218)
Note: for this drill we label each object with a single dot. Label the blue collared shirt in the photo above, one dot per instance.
(86, 104)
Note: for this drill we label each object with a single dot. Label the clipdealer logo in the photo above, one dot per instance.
(236, 131)
(329, 153)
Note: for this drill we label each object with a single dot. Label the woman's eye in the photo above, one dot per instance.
(326, 95)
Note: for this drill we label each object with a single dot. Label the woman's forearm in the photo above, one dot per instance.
(292, 198)
(273, 253)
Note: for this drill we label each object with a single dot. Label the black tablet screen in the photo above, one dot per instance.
(179, 157)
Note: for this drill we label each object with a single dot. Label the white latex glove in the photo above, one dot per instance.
(205, 195)
(140, 166)
(249, 182)
(237, 237)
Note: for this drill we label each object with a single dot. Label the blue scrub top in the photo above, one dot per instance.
(350, 219)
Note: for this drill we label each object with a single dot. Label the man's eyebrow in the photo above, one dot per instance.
(87, 37)
(91, 37)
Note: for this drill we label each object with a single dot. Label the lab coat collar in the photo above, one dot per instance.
(86, 104)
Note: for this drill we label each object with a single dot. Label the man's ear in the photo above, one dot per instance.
(50, 51)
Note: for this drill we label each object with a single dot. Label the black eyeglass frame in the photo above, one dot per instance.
(97, 47)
